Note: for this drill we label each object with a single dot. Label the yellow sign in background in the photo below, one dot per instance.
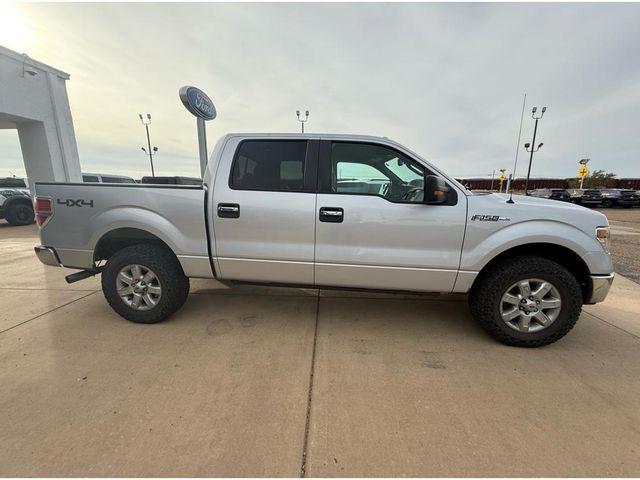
(583, 172)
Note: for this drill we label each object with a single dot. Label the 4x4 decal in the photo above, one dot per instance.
(69, 202)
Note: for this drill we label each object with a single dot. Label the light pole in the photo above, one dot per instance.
(306, 118)
(151, 152)
(532, 144)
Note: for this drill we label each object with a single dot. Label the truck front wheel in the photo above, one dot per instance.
(144, 283)
(526, 301)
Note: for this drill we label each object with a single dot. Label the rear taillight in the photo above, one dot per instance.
(43, 207)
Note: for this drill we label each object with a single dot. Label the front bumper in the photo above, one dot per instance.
(47, 255)
(600, 285)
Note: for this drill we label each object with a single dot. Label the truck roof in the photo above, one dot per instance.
(308, 135)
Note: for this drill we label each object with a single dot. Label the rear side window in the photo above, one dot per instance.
(90, 178)
(276, 165)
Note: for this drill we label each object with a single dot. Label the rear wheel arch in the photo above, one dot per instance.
(120, 238)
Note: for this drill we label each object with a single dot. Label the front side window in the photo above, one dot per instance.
(269, 165)
(376, 170)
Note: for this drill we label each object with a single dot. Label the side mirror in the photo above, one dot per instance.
(435, 190)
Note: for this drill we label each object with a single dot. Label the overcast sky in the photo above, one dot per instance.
(446, 80)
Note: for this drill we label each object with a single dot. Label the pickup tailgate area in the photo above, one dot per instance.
(84, 213)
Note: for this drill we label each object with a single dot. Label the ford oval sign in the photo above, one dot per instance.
(198, 103)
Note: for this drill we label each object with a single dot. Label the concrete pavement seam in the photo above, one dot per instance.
(48, 311)
(613, 325)
(303, 463)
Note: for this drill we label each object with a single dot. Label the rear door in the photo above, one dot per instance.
(373, 229)
(263, 210)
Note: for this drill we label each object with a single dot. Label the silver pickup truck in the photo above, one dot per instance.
(341, 211)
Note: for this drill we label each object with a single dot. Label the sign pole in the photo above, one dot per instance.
(201, 106)
(202, 145)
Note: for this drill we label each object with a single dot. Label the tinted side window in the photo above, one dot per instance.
(90, 178)
(269, 165)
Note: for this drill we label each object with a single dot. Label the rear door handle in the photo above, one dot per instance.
(228, 210)
(331, 214)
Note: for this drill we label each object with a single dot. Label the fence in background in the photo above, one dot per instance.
(518, 183)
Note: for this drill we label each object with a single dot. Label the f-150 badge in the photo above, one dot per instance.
(490, 218)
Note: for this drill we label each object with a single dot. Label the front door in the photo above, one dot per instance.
(263, 211)
(373, 229)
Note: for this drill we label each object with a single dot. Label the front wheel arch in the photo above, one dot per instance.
(556, 253)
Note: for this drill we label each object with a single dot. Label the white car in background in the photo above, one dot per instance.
(15, 201)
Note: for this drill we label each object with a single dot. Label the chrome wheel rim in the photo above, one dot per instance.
(138, 287)
(530, 305)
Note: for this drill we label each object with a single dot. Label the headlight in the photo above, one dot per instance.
(603, 235)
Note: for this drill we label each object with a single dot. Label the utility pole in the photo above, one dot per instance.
(150, 152)
(532, 144)
(306, 118)
(493, 174)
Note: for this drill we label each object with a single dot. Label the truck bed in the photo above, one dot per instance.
(84, 213)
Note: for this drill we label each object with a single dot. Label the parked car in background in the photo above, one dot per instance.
(551, 193)
(102, 178)
(17, 183)
(172, 180)
(584, 197)
(612, 197)
(16, 206)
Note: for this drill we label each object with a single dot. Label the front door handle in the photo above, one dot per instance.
(331, 214)
(228, 210)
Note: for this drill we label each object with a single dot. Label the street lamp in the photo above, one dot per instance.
(306, 118)
(152, 151)
(532, 144)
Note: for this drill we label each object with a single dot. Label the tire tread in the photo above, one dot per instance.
(164, 264)
(489, 287)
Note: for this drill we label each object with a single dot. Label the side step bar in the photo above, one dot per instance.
(82, 274)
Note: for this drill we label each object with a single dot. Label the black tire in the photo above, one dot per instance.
(19, 214)
(486, 295)
(167, 269)
(607, 203)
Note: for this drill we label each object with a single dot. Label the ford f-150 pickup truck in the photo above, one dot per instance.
(340, 211)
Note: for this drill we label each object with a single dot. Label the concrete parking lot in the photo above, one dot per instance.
(289, 382)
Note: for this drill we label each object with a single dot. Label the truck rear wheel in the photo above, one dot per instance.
(144, 283)
(526, 301)
(19, 214)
